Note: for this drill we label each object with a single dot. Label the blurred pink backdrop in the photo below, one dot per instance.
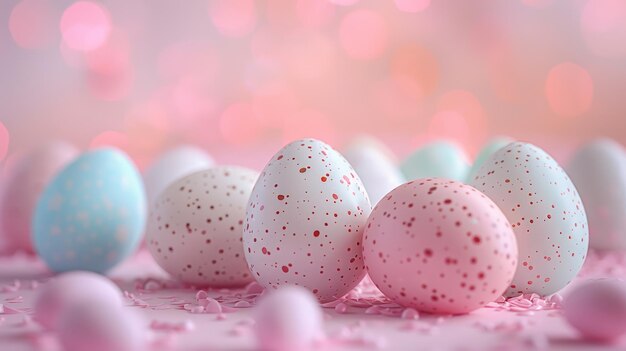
(242, 77)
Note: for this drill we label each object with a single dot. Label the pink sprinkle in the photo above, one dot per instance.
(410, 313)
(341, 308)
(213, 306)
(197, 309)
(254, 288)
(372, 310)
(152, 285)
(242, 304)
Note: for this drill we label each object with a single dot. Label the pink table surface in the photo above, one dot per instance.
(491, 328)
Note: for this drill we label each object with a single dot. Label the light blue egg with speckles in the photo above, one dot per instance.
(489, 149)
(92, 215)
(440, 159)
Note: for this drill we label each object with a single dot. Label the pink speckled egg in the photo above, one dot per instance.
(73, 289)
(95, 327)
(545, 211)
(23, 186)
(288, 319)
(195, 227)
(597, 309)
(439, 246)
(305, 220)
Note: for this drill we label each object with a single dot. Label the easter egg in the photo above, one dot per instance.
(91, 215)
(545, 211)
(439, 159)
(289, 318)
(486, 152)
(598, 169)
(73, 289)
(304, 221)
(97, 327)
(597, 309)
(172, 165)
(23, 186)
(375, 168)
(439, 246)
(195, 227)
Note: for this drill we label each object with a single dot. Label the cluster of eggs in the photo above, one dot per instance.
(512, 223)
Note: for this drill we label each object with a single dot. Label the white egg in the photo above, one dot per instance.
(305, 221)
(172, 165)
(195, 227)
(545, 211)
(377, 170)
(598, 170)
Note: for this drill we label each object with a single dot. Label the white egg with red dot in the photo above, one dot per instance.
(195, 227)
(439, 246)
(73, 289)
(545, 211)
(289, 318)
(305, 220)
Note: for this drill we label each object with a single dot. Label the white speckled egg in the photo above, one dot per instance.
(545, 211)
(305, 220)
(91, 216)
(598, 169)
(23, 186)
(195, 227)
(441, 159)
(172, 165)
(453, 242)
(376, 169)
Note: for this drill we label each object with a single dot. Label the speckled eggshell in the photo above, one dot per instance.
(439, 246)
(440, 159)
(172, 165)
(305, 219)
(377, 170)
(92, 214)
(492, 146)
(73, 289)
(287, 319)
(195, 227)
(598, 169)
(23, 186)
(597, 309)
(545, 211)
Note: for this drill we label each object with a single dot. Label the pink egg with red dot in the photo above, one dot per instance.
(305, 221)
(289, 318)
(597, 309)
(195, 225)
(545, 211)
(73, 289)
(439, 246)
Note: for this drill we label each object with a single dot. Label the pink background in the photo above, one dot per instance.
(242, 77)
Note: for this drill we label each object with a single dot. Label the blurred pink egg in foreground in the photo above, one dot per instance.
(21, 189)
(289, 318)
(569, 89)
(74, 289)
(597, 309)
(97, 327)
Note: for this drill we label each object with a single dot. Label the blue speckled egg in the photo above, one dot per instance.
(440, 159)
(92, 215)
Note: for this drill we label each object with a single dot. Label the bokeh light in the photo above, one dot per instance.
(110, 138)
(4, 141)
(233, 18)
(85, 25)
(238, 124)
(309, 124)
(108, 70)
(314, 13)
(603, 23)
(569, 89)
(31, 24)
(449, 125)
(418, 64)
(412, 6)
(363, 34)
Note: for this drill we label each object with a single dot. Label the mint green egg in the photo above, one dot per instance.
(490, 148)
(440, 159)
